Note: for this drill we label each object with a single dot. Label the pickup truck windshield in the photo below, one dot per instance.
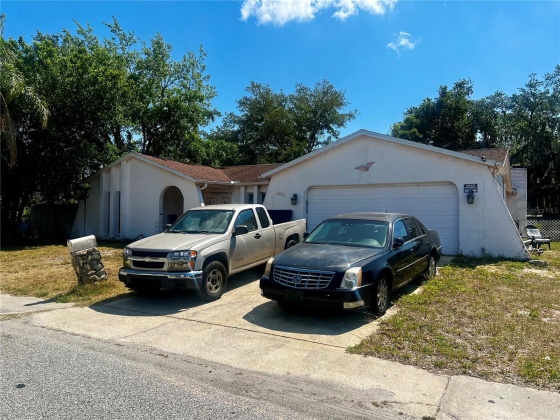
(202, 221)
(351, 232)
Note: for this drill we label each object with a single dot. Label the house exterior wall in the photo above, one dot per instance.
(485, 227)
(242, 194)
(517, 203)
(125, 200)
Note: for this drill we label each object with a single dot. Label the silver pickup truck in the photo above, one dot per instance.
(205, 246)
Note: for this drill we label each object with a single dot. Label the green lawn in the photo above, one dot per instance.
(46, 271)
(493, 319)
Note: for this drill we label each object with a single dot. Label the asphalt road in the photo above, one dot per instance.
(50, 374)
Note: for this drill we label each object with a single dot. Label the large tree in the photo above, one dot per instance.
(105, 98)
(277, 127)
(447, 121)
(318, 114)
(173, 99)
(532, 121)
(527, 123)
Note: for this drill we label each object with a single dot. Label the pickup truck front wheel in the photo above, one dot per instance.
(213, 281)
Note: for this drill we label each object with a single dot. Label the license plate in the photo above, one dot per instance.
(294, 295)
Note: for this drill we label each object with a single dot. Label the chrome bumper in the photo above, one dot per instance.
(188, 279)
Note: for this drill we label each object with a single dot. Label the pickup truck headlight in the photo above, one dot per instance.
(268, 267)
(182, 260)
(127, 253)
(352, 278)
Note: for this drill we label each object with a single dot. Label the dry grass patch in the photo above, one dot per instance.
(492, 319)
(45, 271)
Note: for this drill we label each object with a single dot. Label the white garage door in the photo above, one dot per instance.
(435, 205)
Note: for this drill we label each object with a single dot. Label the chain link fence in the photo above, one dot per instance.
(550, 228)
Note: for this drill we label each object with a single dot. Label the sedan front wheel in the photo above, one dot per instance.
(380, 298)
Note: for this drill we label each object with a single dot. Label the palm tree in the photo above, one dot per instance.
(13, 88)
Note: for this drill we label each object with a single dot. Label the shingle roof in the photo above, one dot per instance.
(242, 173)
(249, 173)
(497, 154)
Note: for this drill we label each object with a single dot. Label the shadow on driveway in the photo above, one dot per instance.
(300, 320)
(172, 301)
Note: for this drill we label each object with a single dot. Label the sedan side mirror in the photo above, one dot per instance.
(397, 243)
(305, 235)
(240, 230)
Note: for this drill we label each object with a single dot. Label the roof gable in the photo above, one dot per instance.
(382, 137)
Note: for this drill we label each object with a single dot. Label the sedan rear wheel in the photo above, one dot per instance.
(431, 268)
(380, 298)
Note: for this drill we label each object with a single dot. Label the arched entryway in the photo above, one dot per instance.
(171, 205)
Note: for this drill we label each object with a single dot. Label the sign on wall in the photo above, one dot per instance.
(469, 187)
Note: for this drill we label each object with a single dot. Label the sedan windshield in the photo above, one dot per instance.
(202, 221)
(351, 232)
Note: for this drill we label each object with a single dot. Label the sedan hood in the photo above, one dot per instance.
(175, 241)
(324, 257)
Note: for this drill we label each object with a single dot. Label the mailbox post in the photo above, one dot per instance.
(86, 260)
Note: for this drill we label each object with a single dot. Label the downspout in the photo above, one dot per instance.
(200, 198)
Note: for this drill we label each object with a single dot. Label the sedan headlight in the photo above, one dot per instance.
(268, 267)
(182, 260)
(352, 278)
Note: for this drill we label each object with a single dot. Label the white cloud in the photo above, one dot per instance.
(402, 41)
(279, 12)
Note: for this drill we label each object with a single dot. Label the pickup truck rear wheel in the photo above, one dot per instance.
(290, 242)
(213, 281)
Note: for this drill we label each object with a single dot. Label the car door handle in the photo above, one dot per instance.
(258, 235)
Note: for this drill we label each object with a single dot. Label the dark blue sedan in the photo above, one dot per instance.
(353, 261)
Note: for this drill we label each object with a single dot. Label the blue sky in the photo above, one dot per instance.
(387, 55)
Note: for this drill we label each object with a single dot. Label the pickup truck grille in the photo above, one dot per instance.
(148, 264)
(152, 254)
(302, 279)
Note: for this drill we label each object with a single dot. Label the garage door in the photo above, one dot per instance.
(435, 205)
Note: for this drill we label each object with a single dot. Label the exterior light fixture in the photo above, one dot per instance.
(294, 199)
(470, 197)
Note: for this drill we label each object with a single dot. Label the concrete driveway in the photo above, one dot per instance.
(243, 308)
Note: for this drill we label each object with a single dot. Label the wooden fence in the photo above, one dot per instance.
(53, 221)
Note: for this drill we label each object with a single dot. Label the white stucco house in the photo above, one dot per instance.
(139, 194)
(474, 199)
(367, 171)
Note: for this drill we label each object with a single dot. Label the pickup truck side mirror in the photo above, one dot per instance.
(240, 230)
(397, 243)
